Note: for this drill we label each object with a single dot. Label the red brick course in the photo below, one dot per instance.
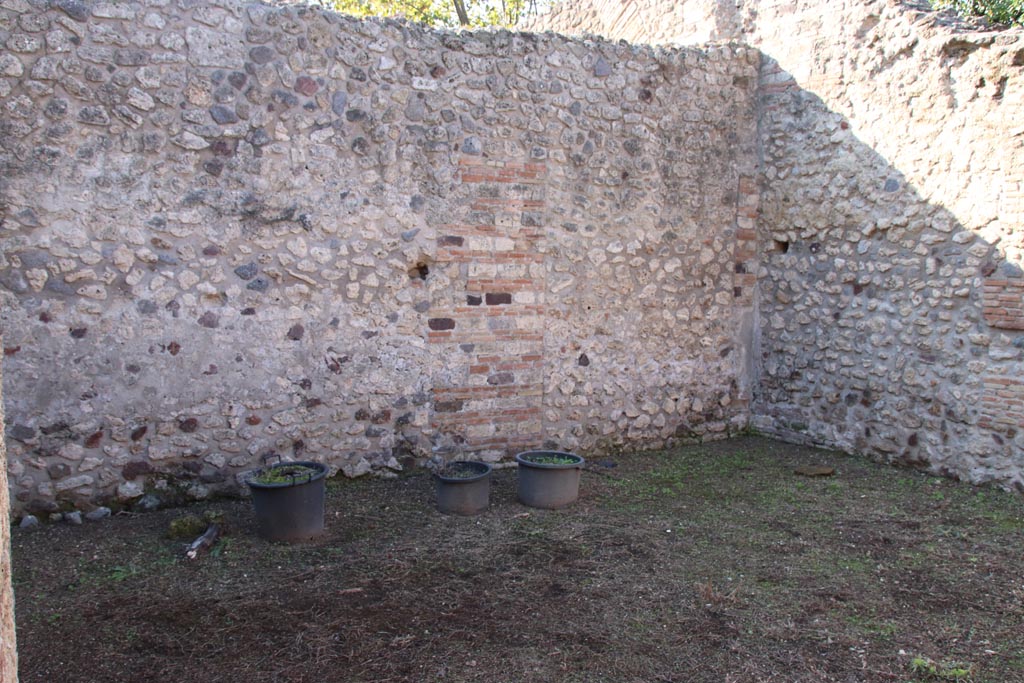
(745, 249)
(498, 407)
(1003, 303)
(1002, 404)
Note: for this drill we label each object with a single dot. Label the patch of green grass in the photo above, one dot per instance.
(917, 559)
(284, 474)
(223, 546)
(550, 459)
(122, 572)
(695, 475)
(872, 626)
(929, 670)
(856, 565)
(145, 559)
(1006, 521)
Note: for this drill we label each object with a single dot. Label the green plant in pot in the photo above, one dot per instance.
(288, 498)
(549, 479)
(463, 487)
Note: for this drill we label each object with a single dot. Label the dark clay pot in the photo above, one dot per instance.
(293, 510)
(464, 495)
(549, 485)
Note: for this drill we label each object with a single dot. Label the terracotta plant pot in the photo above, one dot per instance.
(549, 479)
(288, 498)
(463, 488)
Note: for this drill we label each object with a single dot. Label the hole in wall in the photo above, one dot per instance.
(1000, 89)
(780, 246)
(420, 271)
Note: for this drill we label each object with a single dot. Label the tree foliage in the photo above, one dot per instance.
(468, 13)
(996, 11)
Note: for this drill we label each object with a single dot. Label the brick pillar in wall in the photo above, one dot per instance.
(1002, 400)
(489, 326)
(8, 650)
(745, 279)
(1002, 300)
(746, 241)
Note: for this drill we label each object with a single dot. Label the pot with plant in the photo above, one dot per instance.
(549, 479)
(288, 498)
(463, 487)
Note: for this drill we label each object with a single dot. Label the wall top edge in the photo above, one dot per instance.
(483, 41)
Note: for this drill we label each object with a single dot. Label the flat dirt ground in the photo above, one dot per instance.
(704, 563)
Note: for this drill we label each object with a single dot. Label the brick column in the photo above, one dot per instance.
(746, 241)
(1002, 399)
(1003, 303)
(1002, 405)
(745, 285)
(490, 322)
(8, 651)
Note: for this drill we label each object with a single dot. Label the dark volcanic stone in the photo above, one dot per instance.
(338, 103)
(131, 57)
(441, 324)
(76, 9)
(284, 97)
(223, 114)
(261, 54)
(306, 86)
(14, 281)
(95, 115)
(260, 284)
(258, 137)
(58, 470)
(247, 272)
(136, 468)
(21, 432)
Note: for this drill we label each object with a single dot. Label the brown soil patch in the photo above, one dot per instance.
(705, 563)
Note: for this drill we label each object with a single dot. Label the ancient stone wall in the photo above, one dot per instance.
(881, 332)
(230, 230)
(890, 229)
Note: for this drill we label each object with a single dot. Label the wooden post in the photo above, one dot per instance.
(8, 649)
